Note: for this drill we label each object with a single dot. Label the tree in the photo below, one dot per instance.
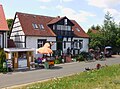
(95, 36)
(111, 32)
(9, 22)
(107, 35)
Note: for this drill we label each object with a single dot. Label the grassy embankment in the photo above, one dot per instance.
(104, 78)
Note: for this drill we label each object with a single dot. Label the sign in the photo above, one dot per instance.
(22, 62)
(9, 63)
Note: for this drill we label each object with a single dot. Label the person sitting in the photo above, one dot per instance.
(39, 60)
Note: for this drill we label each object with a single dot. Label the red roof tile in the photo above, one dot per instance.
(26, 21)
(81, 32)
(3, 23)
(55, 20)
(94, 31)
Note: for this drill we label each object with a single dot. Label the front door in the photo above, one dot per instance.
(59, 43)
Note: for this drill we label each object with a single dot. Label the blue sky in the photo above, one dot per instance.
(85, 12)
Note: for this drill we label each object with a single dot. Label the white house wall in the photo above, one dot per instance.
(17, 34)
(31, 41)
(85, 43)
(5, 40)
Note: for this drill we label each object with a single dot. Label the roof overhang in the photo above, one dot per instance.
(18, 49)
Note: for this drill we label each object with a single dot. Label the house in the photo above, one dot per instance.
(32, 31)
(3, 29)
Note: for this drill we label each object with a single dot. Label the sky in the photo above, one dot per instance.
(85, 12)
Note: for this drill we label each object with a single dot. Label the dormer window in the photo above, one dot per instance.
(41, 26)
(34, 26)
(65, 21)
(78, 29)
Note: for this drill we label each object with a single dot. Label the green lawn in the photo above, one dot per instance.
(104, 78)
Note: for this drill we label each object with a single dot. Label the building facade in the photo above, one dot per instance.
(3, 29)
(32, 31)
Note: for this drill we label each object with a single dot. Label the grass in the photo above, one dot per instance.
(104, 78)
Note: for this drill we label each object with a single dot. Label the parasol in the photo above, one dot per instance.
(45, 49)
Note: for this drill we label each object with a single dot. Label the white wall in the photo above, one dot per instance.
(85, 43)
(1, 40)
(31, 41)
(18, 31)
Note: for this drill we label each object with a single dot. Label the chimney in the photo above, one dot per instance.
(58, 16)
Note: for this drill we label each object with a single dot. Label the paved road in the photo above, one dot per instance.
(59, 70)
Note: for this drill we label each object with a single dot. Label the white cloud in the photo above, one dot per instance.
(43, 7)
(66, 0)
(79, 16)
(103, 3)
(107, 5)
(115, 13)
(45, 0)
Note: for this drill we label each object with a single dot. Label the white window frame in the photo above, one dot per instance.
(35, 26)
(40, 42)
(78, 29)
(65, 21)
(53, 27)
(75, 43)
(41, 26)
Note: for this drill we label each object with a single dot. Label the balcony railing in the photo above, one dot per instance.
(63, 33)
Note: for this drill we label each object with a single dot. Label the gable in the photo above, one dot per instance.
(16, 28)
(61, 21)
(3, 23)
(78, 31)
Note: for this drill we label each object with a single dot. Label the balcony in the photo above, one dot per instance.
(63, 33)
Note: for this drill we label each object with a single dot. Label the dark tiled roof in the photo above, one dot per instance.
(26, 21)
(3, 23)
(11, 43)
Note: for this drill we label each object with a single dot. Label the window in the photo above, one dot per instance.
(41, 26)
(80, 44)
(75, 44)
(34, 26)
(65, 21)
(62, 27)
(53, 27)
(41, 42)
(58, 27)
(77, 29)
(69, 28)
(0, 40)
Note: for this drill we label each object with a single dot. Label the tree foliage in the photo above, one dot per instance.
(9, 22)
(108, 34)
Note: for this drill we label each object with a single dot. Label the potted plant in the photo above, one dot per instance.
(80, 58)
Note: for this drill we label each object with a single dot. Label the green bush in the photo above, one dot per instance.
(2, 59)
(80, 57)
(57, 61)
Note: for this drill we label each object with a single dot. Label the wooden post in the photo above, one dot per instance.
(15, 58)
